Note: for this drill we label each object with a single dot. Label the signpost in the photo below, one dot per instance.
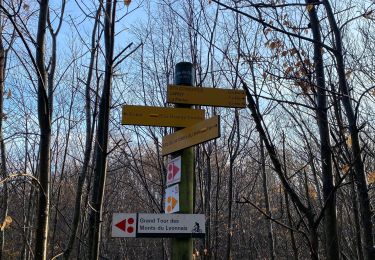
(158, 225)
(182, 248)
(191, 129)
(160, 116)
(206, 96)
(201, 132)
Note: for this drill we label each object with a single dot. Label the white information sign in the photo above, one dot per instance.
(124, 224)
(171, 224)
(158, 225)
(172, 199)
(174, 171)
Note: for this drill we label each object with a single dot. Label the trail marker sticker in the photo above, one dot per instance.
(174, 171)
(124, 225)
(172, 199)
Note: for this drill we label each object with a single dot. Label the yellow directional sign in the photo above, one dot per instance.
(201, 132)
(160, 116)
(206, 96)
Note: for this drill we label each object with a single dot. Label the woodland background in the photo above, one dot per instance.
(292, 176)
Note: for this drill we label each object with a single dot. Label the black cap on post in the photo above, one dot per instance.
(184, 74)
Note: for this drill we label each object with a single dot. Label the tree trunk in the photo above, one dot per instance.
(360, 174)
(229, 223)
(347, 159)
(217, 196)
(51, 85)
(45, 138)
(292, 237)
(332, 244)
(314, 241)
(3, 174)
(271, 241)
(208, 176)
(29, 202)
(88, 143)
(357, 223)
(102, 135)
(233, 143)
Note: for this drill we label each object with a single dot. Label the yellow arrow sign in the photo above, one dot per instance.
(206, 96)
(201, 132)
(160, 116)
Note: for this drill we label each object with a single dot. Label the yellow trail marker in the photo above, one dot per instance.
(206, 96)
(160, 116)
(201, 132)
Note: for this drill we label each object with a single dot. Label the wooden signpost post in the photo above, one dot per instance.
(182, 248)
(190, 129)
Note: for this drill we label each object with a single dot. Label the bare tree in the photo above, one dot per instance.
(325, 143)
(4, 200)
(88, 137)
(102, 133)
(360, 174)
(45, 137)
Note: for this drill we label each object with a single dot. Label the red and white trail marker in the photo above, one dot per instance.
(174, 171)
(124, 225)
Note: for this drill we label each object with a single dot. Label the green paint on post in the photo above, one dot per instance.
(182, 248)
